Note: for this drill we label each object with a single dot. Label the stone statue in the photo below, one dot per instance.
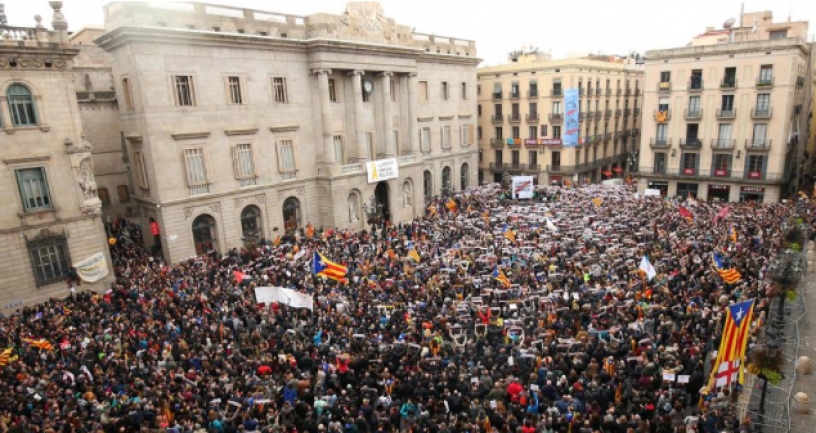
(84, 144)
(352, 210)
(406, 195)
(86, 180)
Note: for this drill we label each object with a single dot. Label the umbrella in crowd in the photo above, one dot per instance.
(581, 310)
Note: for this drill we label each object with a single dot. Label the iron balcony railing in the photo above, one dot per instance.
(761, 113)
(556, 92)
(556, 117)
(757, 145)
(691, 143)
(723, 144)
(726, 113)
(728, 83)
(497, 143)
(664, 86)
(765, 82)
(694, 113)
(660, 143)
(532, 117)
(532, 93)
(498, 118)
(497, 95)
(695, 85)
(514, 117)
(716, 174)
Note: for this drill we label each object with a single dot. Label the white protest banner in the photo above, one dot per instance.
(93, 268)
(522, 187)
(265, 295)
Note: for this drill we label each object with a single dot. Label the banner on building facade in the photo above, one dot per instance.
(571, 126)
(522, 187)
(382, 169)
(93, 268)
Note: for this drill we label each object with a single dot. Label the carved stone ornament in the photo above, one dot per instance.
(368, 14)
(215, 207)
(260, 198)
(188, 212)
(27, 63)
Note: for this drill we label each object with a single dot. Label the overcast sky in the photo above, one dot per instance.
(562, 27)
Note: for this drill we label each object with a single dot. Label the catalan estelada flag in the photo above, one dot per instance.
(734, 234)
(498, 274)
(323, 267)
(735, 336)
(6, 357)
(39, 343)
(510, 234)
(730, 276)
(452, 206)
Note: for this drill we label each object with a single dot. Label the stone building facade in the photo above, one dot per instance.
(49, 210)
(521, 118)
(727, 120)
(240, 124)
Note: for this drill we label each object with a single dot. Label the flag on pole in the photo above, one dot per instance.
(323, 267)
(730, 276)
(40, 343)
(722, 214)
(647, 268)
(597, 201)
(498, 274)
(240, 276)
(735, 336)
(551, 226)
(413, 253)
(685, 213)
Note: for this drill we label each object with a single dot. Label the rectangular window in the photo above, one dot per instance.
(721, 164)
(498, 155)
(724, 132)
(556, 131)
(778, 34)
(760, 130)
(515, 90)
(280, 93)
(185, 94)
(533, 109)
(755, 163)
(128, 94)
(498, 133)
(234, 95)
(497, 91)
(516, 157)
(662, 132)
(338, 149)
(332, 90)
(765, 75)
(694, 104)
(478, 89)
(532, 131)
(423, 91)
(479, 110)
(479, 132)
(497, 108)
(763, 103)
(196, 167)
(665, 77)
(556, 86)
(243, 161)
(425, 140)
(50, 260)
(555, 157)
(532, 157)
(515, 111)
(464, 92)
(445, 93)
(369, 141)
(34, 191)
(727, 103)
(140, 169)
(556, 107)
(689, 163)
(533, 89)
(446, 137)
(287, 163)
(516, 132)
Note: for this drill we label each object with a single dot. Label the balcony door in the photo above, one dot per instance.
(727, 103)
(662, 132)
(724, 132)
(760, 130)
(516, 158)
(763, 103)
(692, 133)
(660, 163)
(694, 104)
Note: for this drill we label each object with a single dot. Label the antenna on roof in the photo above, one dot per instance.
(728, 25)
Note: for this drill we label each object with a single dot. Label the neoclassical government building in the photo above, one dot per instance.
(238, 124)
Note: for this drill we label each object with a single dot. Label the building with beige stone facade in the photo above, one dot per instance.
(49, 211)
(724, 115)
(241, 124)
(521, 118)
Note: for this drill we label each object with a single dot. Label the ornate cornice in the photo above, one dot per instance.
(190, 135)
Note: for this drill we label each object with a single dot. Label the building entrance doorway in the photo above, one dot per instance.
(383, 201)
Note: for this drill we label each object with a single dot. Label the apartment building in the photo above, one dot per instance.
(725, 114)
(49, 210)
(521, 118)
(240, 124)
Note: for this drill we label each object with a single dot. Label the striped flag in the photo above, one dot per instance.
(432, 210)
(597, 201)
(730, 276)
(727, 373)
(6, 357)
(510, 234)
(323, 267)
(498, 274)
(735, 336)
(39, 343)
(685, 213)
(413, 253)
(486, 217)
(452, 206)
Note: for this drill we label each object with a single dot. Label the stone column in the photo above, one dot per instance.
(325, 115)
(413, 126)
(359, 133)
(390, 146)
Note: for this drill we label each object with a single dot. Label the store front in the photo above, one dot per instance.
(687, 189)
(660, 185)
(719, 193)
(752, 193)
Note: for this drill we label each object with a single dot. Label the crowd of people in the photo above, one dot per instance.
(576, 340)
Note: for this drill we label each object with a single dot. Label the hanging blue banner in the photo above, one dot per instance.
(571, 125)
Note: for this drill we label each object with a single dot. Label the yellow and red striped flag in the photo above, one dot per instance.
(486, 217)
(452, 206)
(734, 340)
(6, 357)
(39, 343)
(498, 274)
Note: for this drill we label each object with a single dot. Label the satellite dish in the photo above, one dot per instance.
(729, 23)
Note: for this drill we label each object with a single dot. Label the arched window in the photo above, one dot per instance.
(291, 214)
(205, 235)
(21, 105)
(251, 227)
(427, 184)
(446, 180)
(464, 176)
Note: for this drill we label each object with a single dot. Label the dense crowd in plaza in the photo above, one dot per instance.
(578, 342)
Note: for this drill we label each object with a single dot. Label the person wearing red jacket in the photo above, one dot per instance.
(484, 316)
(514, 390)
